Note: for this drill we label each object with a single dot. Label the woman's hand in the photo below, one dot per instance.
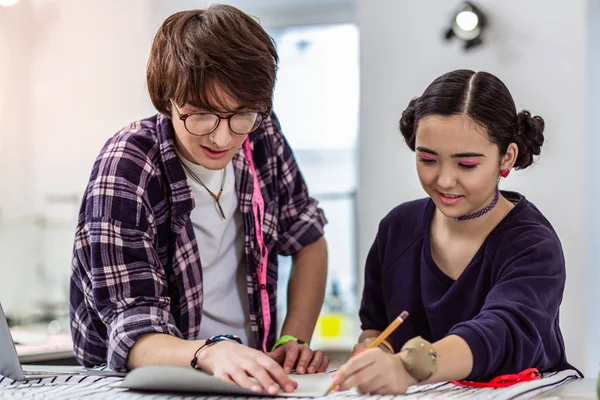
(374, 371)
(365, 344)
(236, 363)
(293, 354)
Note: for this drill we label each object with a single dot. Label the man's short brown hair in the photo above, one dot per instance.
(195, 52)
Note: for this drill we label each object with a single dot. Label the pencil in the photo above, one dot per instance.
(382, 336)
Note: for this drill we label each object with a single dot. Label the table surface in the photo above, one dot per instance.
(574, 390)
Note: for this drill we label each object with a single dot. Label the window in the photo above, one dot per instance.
(316, 101)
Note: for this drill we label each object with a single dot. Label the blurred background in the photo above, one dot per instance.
(72, 73)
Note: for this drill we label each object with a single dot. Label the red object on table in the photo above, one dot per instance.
(501, 381)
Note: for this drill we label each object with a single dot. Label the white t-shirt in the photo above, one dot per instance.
(221, 247)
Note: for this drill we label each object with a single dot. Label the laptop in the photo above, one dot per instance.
(11, 367)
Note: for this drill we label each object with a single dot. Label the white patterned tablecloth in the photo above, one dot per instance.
(90, 387)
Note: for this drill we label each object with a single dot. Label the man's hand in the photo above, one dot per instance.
(236, 363)
(292, 354)
(374, 371)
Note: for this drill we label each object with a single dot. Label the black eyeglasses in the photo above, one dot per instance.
(203, 123)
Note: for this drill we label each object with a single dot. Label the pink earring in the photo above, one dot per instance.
(504, 172)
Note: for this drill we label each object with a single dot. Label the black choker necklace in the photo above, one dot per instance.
(481, 212)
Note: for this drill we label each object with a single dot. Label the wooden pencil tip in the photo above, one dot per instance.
(330, 389)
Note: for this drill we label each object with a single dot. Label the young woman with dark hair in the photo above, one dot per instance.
(481, 271)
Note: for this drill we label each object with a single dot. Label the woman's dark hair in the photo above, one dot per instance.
(198, 51)
(486, 100)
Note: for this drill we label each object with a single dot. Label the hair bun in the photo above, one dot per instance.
(407, 123)
(529, 138)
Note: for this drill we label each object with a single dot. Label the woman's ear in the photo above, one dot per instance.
(510, 157)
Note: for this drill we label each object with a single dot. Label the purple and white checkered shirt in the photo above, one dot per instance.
(136, 267)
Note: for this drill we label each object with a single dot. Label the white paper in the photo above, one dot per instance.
(179, 379)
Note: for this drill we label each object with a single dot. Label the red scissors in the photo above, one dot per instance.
(501, 381)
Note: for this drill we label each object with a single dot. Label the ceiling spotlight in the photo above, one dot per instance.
(467, 25)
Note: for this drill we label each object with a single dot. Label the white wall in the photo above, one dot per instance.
(16, 191)
(271, 13)
(72, 74)
(593, 179)
(88, 80)
(539, 49)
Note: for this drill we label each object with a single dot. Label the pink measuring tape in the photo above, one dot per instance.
(258, 209)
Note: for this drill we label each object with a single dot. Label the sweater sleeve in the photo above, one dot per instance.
(517, 328)
(117, 272)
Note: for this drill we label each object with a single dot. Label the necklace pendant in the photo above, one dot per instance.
(220, 209)
(216, 197)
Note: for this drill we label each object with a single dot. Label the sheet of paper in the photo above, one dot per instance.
(179, 379)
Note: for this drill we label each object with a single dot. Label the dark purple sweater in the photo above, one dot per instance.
(504, 305)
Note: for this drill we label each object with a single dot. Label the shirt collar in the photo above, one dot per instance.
(179, 190)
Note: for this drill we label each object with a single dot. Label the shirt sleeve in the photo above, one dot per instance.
(301, 221)
(372, 311)
(129, 287)
(517, 328)
(116, 265)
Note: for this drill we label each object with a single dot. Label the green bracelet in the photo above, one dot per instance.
(288, 338)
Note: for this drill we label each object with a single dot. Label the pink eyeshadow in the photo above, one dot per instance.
(469, 163)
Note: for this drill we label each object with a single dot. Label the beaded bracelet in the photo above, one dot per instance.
(211, 341)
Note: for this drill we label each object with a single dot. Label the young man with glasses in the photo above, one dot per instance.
(175, 258)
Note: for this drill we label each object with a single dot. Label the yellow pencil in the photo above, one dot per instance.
(382, 336)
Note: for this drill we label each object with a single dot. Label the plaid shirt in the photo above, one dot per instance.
(136, 267)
